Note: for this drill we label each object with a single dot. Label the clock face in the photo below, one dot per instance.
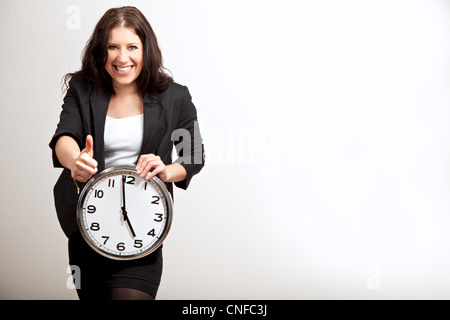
(124, 216)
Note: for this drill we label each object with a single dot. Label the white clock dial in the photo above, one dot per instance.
(124, 216)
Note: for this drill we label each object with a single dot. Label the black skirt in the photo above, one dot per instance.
(97, 274)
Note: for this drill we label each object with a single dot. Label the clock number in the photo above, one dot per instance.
(130, 180)
(111, 183)
(156, 201)
(120, 246)
(159, 219)
(95, 226)
(138, 243)
(98, 194)
(106, 239)
(151, 233)
(91, 208)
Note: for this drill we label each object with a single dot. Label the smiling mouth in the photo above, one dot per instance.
(123, 70)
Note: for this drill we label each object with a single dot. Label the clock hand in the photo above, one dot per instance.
(125, 218)
(124, 211)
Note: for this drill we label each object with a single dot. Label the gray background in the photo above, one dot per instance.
(327, 139)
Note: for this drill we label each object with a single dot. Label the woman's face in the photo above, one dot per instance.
(125, 55)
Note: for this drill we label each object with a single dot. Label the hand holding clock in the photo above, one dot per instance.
(83, 166)
(150, 165)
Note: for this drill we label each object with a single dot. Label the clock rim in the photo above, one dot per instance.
(167, 198)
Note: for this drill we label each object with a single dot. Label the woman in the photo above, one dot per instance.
(121, 108)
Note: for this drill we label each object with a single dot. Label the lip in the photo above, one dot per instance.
(123, 70)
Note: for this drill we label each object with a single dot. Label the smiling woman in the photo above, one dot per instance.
(111, 49)
(125, 56)
(121, 108)
(124, 65)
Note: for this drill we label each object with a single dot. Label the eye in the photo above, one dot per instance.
(132, 48)
(112, 48)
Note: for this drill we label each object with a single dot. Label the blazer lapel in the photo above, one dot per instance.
(99, 108)
(154, 125)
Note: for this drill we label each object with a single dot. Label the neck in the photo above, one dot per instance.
(128, 90)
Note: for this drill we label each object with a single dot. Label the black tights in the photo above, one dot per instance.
(114, 294)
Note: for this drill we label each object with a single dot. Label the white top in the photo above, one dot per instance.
(123, 140)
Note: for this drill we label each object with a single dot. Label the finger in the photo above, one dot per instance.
(152, 169)
(145, 168)
(139, 163)
(154, 172)
(90, 146)
(149, 166)
(82, 176)
(81, 167)
(143, 159)
(88, 160)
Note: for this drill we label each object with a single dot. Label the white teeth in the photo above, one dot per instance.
(124, 69)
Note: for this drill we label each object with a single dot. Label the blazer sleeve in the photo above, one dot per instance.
(70, 121)
(189, 148)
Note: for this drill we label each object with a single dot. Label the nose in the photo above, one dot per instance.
(123, 56)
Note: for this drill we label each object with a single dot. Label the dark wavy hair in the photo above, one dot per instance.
(152, 80)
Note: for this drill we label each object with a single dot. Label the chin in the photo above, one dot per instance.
(123, 83)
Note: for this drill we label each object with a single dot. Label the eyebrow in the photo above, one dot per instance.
(129, 44)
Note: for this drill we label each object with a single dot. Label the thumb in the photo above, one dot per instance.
(90, 146)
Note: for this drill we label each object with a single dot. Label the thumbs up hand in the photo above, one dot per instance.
(89, 149)
(85, 165)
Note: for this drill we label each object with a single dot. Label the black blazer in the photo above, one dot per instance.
(165, 124)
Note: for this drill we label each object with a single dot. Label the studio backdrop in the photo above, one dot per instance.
(327, 139)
